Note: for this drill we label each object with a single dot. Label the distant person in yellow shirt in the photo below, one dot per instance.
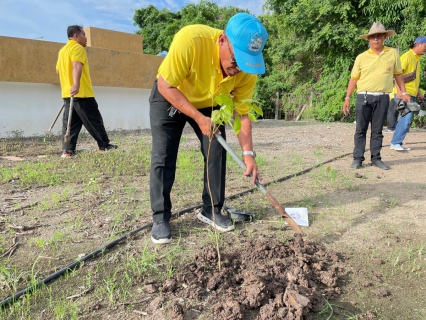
(373, 74)
(73, 70)
(202, 61)
(410, 62)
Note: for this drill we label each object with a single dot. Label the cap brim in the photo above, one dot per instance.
(253, 64)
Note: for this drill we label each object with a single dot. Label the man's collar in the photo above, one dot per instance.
(384, 50)
(415, 54)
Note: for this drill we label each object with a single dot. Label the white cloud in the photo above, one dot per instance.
(50, 18)
(254, 6)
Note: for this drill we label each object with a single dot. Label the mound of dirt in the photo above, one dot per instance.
(278, 280)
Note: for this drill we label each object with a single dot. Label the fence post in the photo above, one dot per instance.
(277, 107)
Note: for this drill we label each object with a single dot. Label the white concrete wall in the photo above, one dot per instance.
(28, 109)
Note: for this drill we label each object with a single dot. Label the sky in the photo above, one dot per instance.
(47, 20)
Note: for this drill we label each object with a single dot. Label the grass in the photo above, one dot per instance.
(95, 198)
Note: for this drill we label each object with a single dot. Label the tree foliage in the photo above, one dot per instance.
(159, 26)
(312, 44)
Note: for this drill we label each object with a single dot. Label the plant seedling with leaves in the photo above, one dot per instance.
(227, 115)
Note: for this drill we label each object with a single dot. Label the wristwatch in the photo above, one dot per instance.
(252, 153)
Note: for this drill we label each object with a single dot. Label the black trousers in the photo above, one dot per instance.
(392, 115)
(85, 112)
(370, 109)
(166, 134)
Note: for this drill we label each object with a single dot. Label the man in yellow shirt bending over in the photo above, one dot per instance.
(202, 62)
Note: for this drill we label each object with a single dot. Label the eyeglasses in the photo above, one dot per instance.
(233, 61)
(376, 36)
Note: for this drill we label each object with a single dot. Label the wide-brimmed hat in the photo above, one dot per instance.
(377, 28)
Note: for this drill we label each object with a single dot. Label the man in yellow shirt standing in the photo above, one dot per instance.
(202, 62)
(73, 70)
(373, 74)
(410, 62)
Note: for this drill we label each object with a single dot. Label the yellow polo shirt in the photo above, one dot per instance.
(193, 66)
(73, 51)
(374, 72)
(409, 62)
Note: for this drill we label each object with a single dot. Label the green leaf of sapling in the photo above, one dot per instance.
(257, 109)
(216, 118)
(224, 100)
(252, 117)
(237, 124)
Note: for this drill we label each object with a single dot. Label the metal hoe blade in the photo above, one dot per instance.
(268, 196)
(49, 132)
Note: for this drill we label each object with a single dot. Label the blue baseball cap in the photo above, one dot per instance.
(162, 54)
(421, 39)
(248, 37)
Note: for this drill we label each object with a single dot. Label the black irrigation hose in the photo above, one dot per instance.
(72, 266)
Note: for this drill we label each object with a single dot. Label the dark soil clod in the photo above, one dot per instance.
(277, 280)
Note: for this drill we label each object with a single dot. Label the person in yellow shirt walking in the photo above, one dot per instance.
(373, 73)
(202, 62)
(73, 70)
(410, 62)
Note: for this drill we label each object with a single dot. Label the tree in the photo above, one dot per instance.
(158, 27)
(313, 44)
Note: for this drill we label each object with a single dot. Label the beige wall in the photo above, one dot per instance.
(30, 93)
(34, 61)
(114, 40)
(23, 60)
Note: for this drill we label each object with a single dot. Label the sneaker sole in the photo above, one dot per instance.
(162, 240)
(208, 221)
(397, 149)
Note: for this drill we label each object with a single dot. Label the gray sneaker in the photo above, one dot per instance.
(222, 223)
(380, 164)
(388, 131)
(356, 164)
(160, 232)
(398, 147)
(405, 148)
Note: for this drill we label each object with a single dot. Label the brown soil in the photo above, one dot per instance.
(281, 280)
(363, 256)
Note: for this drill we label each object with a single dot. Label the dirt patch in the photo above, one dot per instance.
(280, 280)
(372, 220)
